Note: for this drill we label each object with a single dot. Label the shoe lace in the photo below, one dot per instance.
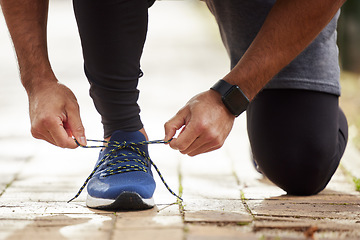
(136, 155)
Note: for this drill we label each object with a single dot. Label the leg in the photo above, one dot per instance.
(297, 137)
(112, 34)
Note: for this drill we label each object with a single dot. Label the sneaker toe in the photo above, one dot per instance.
(111, 187)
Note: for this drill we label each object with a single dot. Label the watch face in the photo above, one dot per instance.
(235, 101)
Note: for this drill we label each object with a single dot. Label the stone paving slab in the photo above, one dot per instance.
(302, 226)
(65, 227)
(224, 232)
(216, 211)
(215, 217)
(207, 186)
(149, 234)
(164, 218)
(309, 210)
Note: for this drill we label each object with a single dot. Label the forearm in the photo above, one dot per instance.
(288, 29)
(27, 21)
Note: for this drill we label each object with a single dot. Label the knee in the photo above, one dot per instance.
(303, 179)
(304, 171)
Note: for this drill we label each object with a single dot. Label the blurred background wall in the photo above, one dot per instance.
(349, 36)
(349, 49)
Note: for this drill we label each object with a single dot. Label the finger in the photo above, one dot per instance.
(207, 140)
(185, 139)
(46, 136)
(197, 143)
(203, 149)
(74, 124)
(52, 130)
(203, 144)
(175, 123)
(60, 135)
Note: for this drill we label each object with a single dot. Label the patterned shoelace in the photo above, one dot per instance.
(112, 154)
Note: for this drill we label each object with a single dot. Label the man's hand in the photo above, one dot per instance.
(54, 111)
(55, 116)
(206, 123)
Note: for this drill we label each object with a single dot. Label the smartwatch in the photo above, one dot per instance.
(232, 97)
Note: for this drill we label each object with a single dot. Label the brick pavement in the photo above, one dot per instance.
(224, 197)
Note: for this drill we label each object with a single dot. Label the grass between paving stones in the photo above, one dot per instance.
(357, 183)
(15, 176)
(8, 185)
(350, 177)
(181, 189)
(243, 200)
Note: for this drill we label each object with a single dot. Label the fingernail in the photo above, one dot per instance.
(83, 141)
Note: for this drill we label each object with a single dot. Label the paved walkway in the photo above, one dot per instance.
(224, 197)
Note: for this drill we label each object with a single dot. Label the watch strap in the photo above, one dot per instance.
(222, 87)
(232, 97)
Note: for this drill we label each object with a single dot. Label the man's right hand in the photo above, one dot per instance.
(54, 111)
(55, 116)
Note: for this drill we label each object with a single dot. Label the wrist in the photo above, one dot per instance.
(232, 97)
(248, 88)
(37, 78)
(38, 84)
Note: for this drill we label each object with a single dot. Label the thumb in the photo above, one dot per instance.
(76, 127)
(175, 123)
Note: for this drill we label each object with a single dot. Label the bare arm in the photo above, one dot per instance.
(54, 112)
(288, 29)
(27, 21)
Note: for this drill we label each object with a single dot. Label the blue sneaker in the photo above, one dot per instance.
(123, 179)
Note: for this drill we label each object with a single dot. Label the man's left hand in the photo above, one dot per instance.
(205, 123)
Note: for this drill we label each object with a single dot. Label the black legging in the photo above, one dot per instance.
(112, 35)
(297, 138)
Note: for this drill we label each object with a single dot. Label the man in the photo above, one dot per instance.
(286, 47)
